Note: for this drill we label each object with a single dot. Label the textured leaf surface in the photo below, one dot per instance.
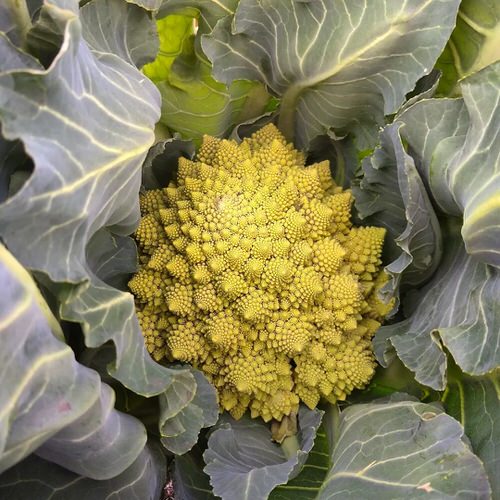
(392, 195)
(474, 402)
(402, 449)
(459, 307)
(473, 44)
(87, 122)
(334, 63)
(461, 160)
(48, 399)
(243, 462)
(181, 425)
(37, 478)
(121, 28)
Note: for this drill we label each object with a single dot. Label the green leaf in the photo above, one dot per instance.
(87, 122)
(243, 462)
(473, 45)
(392, 195)
(117, 27)
(190, 482)
(173, 31)
(402, 449)
(334, 64)
(461, 160)
(458, 309)
(49, 402)
(474, 402)
(180, 424)
(37, 478)
(193, 103)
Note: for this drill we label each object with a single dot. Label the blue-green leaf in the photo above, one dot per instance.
(37, 478)
(459, 309)
(461, 159)
(49, 402)
(335, 64)
(474, 402)
(180, 424)
(121, 28)
(392, 195)
(87, 122)
(243, 462)
(401, 448)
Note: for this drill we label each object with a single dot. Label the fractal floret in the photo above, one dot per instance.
(252, 272)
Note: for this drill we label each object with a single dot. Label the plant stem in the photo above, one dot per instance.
(286, 120)
(21, 18)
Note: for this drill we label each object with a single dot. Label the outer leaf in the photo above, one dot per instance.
(14, 58)
(117, 27)
(430, 124)
(474, 402)
(473, 44)
(181, 425)
(100, 444)
(464, 172)
(37, 478)
(475, 181)
(336, 64)
(243, 462)
(47, 398)
(459, 307)
(87, 122)
(402, 449)
(190, 482)
(392, 195)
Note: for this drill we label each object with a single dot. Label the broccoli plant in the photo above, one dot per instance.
(249, 249)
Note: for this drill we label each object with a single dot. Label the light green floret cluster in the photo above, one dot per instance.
(252, 272)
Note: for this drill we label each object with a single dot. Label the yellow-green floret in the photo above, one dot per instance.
(252, 272)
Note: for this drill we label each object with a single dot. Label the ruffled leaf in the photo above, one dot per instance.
(87, 122)
(243, 462)
(37, 478)
(458, 309)
(392, 195)
(49, 402)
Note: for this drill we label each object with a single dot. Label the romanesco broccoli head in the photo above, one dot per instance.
(252, 272)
